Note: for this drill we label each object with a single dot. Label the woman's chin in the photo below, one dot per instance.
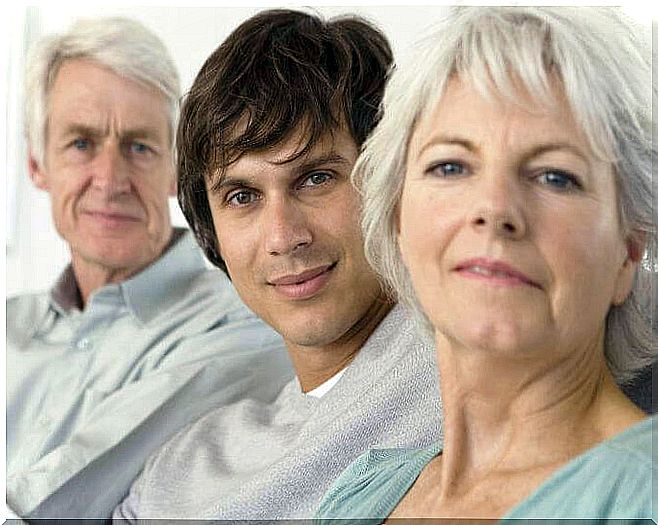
(496, 338)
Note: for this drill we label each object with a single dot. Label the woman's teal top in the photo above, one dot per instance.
(613, 480)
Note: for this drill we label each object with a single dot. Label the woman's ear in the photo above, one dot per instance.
(635, 247)
(396, 219)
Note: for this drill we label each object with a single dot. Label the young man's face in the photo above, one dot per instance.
(289, 234)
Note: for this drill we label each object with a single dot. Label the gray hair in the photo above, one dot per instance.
(605, 69)
(122, 45)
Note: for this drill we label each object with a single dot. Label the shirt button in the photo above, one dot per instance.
(83, 344)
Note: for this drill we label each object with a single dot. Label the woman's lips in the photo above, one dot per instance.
(303, 285)
(494, 272)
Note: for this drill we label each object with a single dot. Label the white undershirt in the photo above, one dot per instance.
(321, 390)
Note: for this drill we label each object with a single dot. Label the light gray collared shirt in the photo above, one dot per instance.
(92, 392)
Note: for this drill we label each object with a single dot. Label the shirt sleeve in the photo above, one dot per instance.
(91, 472)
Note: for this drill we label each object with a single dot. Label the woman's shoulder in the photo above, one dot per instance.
(371, 486)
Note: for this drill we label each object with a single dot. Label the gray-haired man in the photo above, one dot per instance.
(137, 337)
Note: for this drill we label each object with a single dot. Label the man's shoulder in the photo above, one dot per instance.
(208, 290)
(26, 306)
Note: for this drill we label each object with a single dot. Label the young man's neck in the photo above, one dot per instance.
(315, 365)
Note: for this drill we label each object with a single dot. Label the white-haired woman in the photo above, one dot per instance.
(507, 195)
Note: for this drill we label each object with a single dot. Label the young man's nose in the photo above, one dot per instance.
(285, 226)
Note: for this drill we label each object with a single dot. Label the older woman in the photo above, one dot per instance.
(508, 195)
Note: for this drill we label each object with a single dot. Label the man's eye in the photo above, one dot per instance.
(558, 179)
(241, 198)
(138, 147)
(81, 144)
(316, 179)
(447, 169)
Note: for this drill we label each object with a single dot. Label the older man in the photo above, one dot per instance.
(268, 136)
(137, 337)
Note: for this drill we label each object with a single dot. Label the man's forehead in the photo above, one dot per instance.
(295, 152)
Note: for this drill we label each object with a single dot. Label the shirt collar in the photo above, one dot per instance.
(65, 294)
(149, 291)
(152, 289)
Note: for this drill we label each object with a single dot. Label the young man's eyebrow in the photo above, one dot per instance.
(223, 181)
(322, 160)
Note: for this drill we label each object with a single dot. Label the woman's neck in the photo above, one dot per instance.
(509, 414)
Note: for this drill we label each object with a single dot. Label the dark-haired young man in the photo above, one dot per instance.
(268, 136)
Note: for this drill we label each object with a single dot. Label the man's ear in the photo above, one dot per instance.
(635, 246)
(173, 183)
(173, 186)
(37, 174)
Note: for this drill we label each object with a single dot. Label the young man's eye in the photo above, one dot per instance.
(316, 179)
(559, 179)
(241, 198)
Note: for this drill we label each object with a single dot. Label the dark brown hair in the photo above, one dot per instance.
(278, 72)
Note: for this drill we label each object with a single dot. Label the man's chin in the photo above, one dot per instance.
(121, 257)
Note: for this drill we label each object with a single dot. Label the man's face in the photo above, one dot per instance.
(108, 168)
(289, 233)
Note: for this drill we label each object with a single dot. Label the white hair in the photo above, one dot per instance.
(122, 45)
(603, 63)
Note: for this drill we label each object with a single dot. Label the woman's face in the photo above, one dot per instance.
(509, 226)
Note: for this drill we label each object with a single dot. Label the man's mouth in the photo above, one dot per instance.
(303, 285)
(111, 219)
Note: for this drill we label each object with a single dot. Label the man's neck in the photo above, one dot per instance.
(90, 275)
(316, 364)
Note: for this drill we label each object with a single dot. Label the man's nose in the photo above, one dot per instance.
(110, 170)
(285, 227)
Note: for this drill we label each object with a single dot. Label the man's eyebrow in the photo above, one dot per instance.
(320, 161)
(74, 128)
(230, 181)
(85, 130)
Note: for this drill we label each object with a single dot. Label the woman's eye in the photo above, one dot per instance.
(316, 179)
(560, 180)
(241, 198)
(447, 169)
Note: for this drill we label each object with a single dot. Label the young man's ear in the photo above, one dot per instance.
(636, 243)
(37, 174)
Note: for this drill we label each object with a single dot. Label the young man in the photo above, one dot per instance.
(268, 136)
(137, 337)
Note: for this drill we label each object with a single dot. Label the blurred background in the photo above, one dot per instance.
(35, 255)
